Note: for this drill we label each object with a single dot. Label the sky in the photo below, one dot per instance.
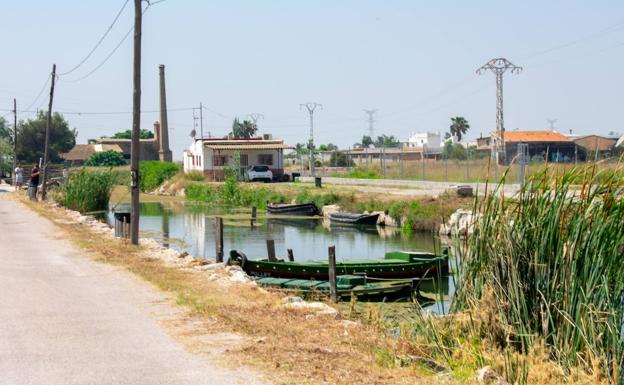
(414, 61)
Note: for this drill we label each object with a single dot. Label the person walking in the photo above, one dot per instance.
(34, 182)
(19, 177)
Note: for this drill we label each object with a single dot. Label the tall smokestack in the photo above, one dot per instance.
(164, 153)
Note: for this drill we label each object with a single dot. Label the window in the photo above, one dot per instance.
(260, 169)
(219, 160)
(244, 159)
(265, 159)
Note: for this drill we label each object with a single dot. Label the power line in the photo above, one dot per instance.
(114, 49)
(98, 43)
(43, 88)
(104, 112)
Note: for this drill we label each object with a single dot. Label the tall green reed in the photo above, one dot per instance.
(86, 191)
(552, 259)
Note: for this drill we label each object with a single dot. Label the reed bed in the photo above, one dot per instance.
(86, 191)
(546, 269)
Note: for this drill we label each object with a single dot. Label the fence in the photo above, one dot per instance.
(476, 168)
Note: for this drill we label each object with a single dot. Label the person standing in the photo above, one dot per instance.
(34, 182)
(19, 177)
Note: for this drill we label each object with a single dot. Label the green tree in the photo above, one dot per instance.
(327, 147)
(459, 127)
(108, 158)
(145, 134)
(366, 141)
(386, 141)
(246, 129)
(340, 159)
(454, 151)
(31, 138)
(6, 148)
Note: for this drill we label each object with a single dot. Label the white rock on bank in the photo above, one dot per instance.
(460, 223)
(329, 209)
(318, 308)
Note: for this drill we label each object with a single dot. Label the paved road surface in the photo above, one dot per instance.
(408, 187)
(66, 320)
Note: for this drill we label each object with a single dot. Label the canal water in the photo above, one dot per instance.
(191, 228)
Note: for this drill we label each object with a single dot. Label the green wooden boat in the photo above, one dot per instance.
(395, 265)
(346, 286)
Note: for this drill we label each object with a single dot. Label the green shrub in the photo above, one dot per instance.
(108, 158)
(87, 191)
(320, 200)
(200, 192)
(154, 172)
(195, 176)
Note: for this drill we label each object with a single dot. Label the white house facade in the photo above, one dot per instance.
(212, 156)
(430, 142)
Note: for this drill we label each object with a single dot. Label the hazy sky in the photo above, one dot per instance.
(413, 60)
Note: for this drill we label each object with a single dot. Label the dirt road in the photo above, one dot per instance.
(65, 319)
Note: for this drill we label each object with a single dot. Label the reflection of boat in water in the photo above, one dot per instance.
(397, 264)
(349, 228)
(308, 209)
(305, 223)
(353, 219)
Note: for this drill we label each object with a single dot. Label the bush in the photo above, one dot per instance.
(154, 172)
(108, 158)
(87, 191)
(195, 176)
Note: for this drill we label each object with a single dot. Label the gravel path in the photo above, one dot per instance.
(65, 319)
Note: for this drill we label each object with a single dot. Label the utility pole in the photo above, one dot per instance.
(499, 66)
(136, 127)
(201, 120)
(311, 106)
(14, 138)
(371, 121)
(44, 189)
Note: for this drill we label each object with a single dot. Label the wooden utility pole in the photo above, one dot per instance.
(219, 239)
(331, 265)
(44, 187)
(14, 138)
(135, 149)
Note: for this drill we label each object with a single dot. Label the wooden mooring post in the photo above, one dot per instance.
(271, 250)
(291, 256)
(333, 293)
(254, 212)
(219, 239)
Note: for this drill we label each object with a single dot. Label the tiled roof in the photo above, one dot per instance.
(535, 136)
(247, 146)
(79, 152)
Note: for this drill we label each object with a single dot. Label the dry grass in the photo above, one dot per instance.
(295, 347)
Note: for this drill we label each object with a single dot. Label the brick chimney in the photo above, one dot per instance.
(164, 153)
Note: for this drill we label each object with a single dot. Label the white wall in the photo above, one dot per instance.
(429, 139)
(205, 160)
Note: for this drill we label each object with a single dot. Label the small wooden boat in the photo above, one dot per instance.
(346, 286)
(395, 265)
(354, 219)
(308, 209)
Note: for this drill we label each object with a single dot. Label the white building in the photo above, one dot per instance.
(212, 156)
(429, 141)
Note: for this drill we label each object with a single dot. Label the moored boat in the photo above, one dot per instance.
(395, 265)
(346, 286)
(353, 218)
(308, 209)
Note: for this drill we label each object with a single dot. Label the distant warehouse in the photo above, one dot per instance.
(551, 146)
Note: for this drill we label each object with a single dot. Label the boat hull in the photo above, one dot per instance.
(307, 209)
(385, 269)
(354, 219)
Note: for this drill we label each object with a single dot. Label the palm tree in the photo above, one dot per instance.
(246, 129)
(459, 127)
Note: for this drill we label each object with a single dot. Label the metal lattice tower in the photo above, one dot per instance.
(371, 121)
(499, 66)
(311, 106)
(551, 123)
(255, 116)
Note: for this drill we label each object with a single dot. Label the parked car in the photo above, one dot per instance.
(259, 172)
